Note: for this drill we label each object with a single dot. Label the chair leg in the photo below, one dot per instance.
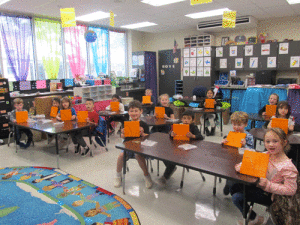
(215, 186)
(158, 168)
(151, 168)
(127, 169)
(220, 179)
(9, 135)
(182, 178)
(203, 178)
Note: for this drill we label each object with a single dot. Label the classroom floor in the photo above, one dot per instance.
(194, 204)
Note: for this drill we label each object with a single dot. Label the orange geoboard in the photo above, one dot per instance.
(271, 110)
(82, 116)
(54, 111)
(234, 139)
(181, 130)
(22, 116)
(160, 112)
(146, 99)
(281, 123)
(209, 103)
(132, 128)
(66, 114)
(115, 106)
(255, 164)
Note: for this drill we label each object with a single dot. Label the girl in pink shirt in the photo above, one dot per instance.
(281, 176)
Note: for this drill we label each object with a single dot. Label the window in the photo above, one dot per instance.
(117, 41)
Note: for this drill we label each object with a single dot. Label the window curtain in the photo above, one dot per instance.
(100, 50)
(76, 49)
(48, 35)
(17, 38)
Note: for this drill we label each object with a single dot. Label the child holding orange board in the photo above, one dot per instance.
(281, 176)
(148, 110)
(273, 100)
(194, 133)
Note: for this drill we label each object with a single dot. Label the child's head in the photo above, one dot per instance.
(276, 141)
(56, 102)
(89, 104)
(148, 92)
(283, 109)
(273, 99)
(239, 121)
(18, 104)
(65, 103)
(209, 94)
(116, 98)
(135, 110)
(187, 117)
(164, 100)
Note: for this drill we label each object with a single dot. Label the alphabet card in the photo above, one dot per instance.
(294, 62)
(192, 71)
(238, 63)
(271, 62)
(265, 49)
(200, 72)
(186, 52)
(223, 63)
(186, 71)
(200, 61)
(193, 61)
(248, 50)
(200, 52)
(219, 52)
(233, 51)
(207, 61)
(207, 51)
(253, 63)
(186, 62)
(193, 52)
(283, 48)
(207, 71)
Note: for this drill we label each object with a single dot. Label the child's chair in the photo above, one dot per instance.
(100, 134)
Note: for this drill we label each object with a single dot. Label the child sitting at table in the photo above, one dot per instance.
(150, 107)
(194, 134)
(283, 111)
(273, 100)
(76, 136)
(135, 112)
(281, 176)
(169, 114)
(116, 98)
(239, 121)
(211, 117)
(18, 104)
(55, 103)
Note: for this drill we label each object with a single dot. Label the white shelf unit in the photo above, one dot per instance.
(97, 93)
(198, 41)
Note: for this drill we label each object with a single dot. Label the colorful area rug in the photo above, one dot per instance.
(47, 196)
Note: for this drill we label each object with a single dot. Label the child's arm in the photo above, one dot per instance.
(248, 141)
(291, 123)
(262, 112)
(107, 108)
(58, 116)
(270, 124)
(195, 133)
(224, 140)
(12, 116)
(73, 114)
(121, 107)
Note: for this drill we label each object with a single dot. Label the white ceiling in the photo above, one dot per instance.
(169, 17)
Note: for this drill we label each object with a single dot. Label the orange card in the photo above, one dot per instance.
(209, 103)
(255, 164)
(181, 130)
(82, 116)
(54, 111)
(160, 112)
(281, 123)
(234, 139)
(22, 117)
(146, 99)
(115, 106)
(132, 128)
(271, 110)
(66, 114)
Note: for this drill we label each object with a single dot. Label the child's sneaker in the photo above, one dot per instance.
(148, 181)
(86, 151)
(162, 181)
(118, 182)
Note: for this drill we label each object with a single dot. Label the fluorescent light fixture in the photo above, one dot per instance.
(161, 2)
(216, 12)
(139, 25)
(3, 1)
(293, 1)
(94, 16)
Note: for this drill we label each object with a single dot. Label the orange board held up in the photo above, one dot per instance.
(132, 128)
(234, 139)
(146, 99)
(271, 110)
(82, 116)
(255, 164)
(281, 123)
(115, 106)
(54, 111)
(181, 130)
(209, 103)
(65, 114)
(22, 116)
(160, 112)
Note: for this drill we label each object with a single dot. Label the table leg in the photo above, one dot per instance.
(215, 186)
(107, 128)
(15, 134)
(244, 205)
(221, 123)
(182, 178)
(254, 139)
(57, 152)
(204, 115)
(124, 172)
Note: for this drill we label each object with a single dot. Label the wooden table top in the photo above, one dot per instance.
(204, 110)
(112, 113)
(259, 134)
(153, 121)
(208, 157)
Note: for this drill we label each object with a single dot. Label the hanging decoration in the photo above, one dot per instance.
(111, 19)
(68, 17)
(229, 18)
(175, 46)
(196, 2)
(90, 36)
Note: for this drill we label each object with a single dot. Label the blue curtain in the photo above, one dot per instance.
(100, 50)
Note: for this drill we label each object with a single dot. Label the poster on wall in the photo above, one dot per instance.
(232, 73)
(223, 63)
(253, 63)
(239, 63)
(219, 52)
(294, 61)
(249, 50)
(233, 51)
(186, 71)
(271, 62)
(200, 61)
(200, 52)
(186, 52)
(141, 60)
(207, 51)
(207, 61)
(193, 52)
(265, 49)
(283, 48)
(200, 71)
(192, 71)
(193, 61)
(206, 71)
(186, 62)
(134, 60)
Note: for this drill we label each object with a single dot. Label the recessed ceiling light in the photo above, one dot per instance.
(94, 16)
(3, 1)
(293, 1)
(160, 2)
(139, 25)
(216, 12)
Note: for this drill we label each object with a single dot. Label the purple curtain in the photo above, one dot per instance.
(150, 73)
(17, 38)
(294, 102)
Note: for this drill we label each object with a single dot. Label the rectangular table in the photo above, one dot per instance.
(50, 128)
(209, 157)
(256, 117)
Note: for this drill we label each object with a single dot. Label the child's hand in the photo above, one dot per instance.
(58, 117)
(190, 135)
(215, 102)
(73, 117)
(264, 114)
(14, 121)
(224, 141)
(122, 133)
(263, 182)
(88, 120)
(142, 132)
(237, 167)
(154, 114)
(243, 142)
(165, 116)
(204, 104)
(173, 134)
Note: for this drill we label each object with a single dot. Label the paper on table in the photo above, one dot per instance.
(46, 121)
(172, 120)
(148, 143)
(58, 124)
(242, 150)
(187, 146)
